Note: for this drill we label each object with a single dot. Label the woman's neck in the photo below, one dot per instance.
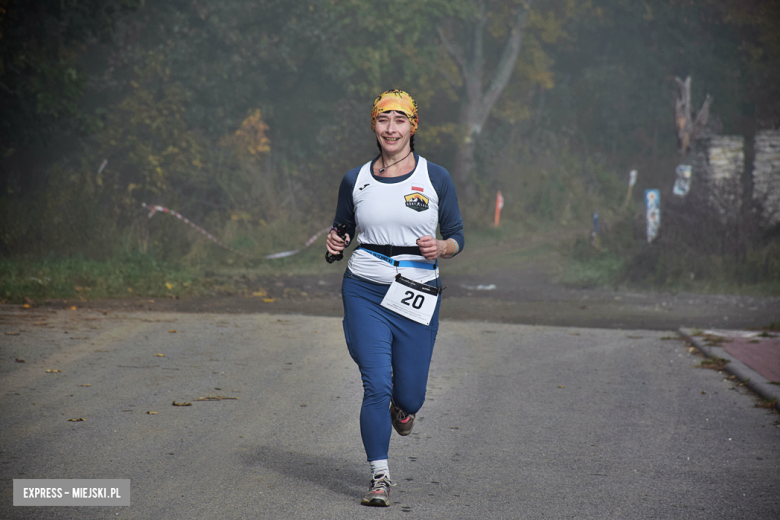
(394, 165)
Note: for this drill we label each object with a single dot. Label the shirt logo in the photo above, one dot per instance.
(415, 188)
(416, 201)
(361, 188)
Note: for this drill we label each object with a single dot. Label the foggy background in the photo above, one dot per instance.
(244, 116)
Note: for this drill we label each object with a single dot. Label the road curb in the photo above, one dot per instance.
(752, 379)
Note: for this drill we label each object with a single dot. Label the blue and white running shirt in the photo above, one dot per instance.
(397, 211)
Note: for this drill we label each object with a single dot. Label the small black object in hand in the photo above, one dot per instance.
(341, 231)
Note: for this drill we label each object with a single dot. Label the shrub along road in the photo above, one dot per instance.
(520, 422)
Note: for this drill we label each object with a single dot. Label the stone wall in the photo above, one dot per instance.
(718, 163)
(766, 175)
(726, 157)
(724, 163)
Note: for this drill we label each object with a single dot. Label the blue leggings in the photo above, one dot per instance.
(393, 354)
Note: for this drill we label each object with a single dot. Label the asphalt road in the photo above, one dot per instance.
(521, 421)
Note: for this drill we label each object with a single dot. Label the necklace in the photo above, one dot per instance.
(396, 162)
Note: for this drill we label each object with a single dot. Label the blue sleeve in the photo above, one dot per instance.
(345, 208)
(450, 221)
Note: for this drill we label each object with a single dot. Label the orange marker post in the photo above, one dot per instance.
(499, 205)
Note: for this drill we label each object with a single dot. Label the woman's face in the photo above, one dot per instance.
(393, 130)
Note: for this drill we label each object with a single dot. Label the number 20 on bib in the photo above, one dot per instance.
(413, 300)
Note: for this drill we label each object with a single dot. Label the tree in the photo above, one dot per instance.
(755, 37)
(628, 54)
(465, 53)
(41, 82)
(689, 128)
(480, 93)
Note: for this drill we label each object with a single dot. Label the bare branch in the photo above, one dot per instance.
(477, 61)
(682, 110)
(508, 59)
(454, 53)
(701, 117)
(689, 128)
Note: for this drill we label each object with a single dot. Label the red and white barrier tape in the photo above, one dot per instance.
(295, 251)
(283, 254)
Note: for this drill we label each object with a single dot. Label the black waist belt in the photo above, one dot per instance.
(393, 250)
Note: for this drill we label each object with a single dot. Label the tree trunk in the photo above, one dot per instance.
(476, 104)
(464, 165)
(689, 128)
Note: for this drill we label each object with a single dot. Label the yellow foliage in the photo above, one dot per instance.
(550, 27)
(648, 13)
(152, 145)
(512, 109)
(251, 136)
(432, 135)
(240, 215)
(250, 141)
(534, 67)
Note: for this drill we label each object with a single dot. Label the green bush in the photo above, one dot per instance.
(71, 278)
(679, 259)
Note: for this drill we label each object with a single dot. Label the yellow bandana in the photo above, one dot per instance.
(395, 100)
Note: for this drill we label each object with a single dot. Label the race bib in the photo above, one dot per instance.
(413, 300)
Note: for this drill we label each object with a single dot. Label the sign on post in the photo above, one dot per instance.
(653, 212)
(683, 182)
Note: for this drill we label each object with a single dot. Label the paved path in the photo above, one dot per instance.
(520, 422)
(752, 357)
(758, 350)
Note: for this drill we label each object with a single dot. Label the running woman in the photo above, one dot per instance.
(393, 205)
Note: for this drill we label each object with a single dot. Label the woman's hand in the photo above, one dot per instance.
(433, 249)
(334, 243)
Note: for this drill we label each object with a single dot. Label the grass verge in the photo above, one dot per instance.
(621, 261)
(77, 278)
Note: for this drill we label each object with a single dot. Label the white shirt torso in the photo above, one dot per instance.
(394, 214)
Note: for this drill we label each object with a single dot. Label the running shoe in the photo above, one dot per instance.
(378, 491)
(402, 421)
